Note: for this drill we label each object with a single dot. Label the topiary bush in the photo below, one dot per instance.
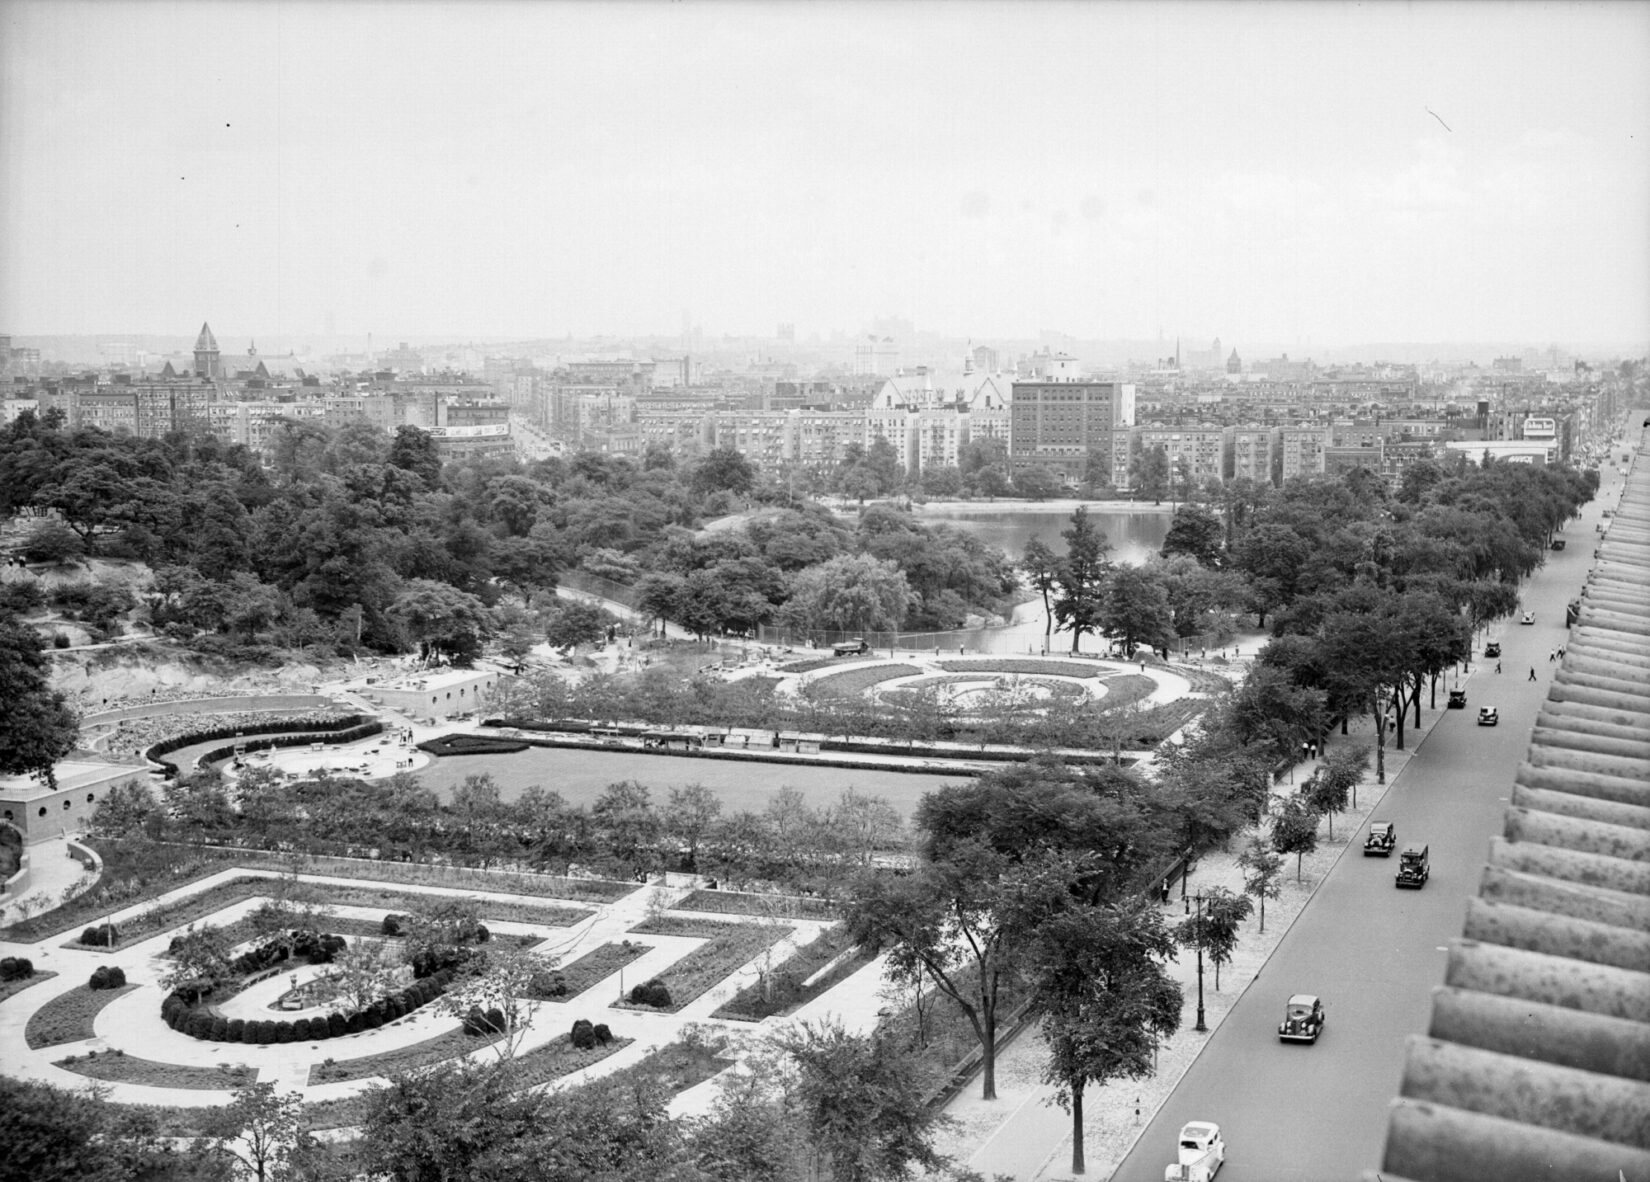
(285, 1032)
(101, 936)
(393, 924)
(220, 1029)
(237, 1030)
(495, 1019)
(602, 1033)
(651, 993)
(16, 968)
(199, 1025)
(583, 1035)
(107, 977)
(300, 1030)
(337, 1025)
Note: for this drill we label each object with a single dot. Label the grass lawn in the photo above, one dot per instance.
(119, 1067)
(729, 946)
(1128, 687)
(852, 682)
(560, 1057)
(8, 988)
(69, 1016)
(677, 1066)
(1028, 665)
(421, 1054)
(749, 903)
(594, 966)
(785, 992)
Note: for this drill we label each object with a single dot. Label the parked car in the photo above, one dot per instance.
(845, 648)
(1414, 867)
(1558, 543)
(1458, 699)
(1529, 618)
(1302, 1019)
(1199, 1155)
(1382, 839)
(1492, 649)
(1487, 716)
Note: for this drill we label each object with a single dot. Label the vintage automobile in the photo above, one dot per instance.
(1492, 649)
(1414, 867)
(1558, 543)
(1529, 618)
(1458, 699)
(1200, 1154)
(844, 648)
(1487, 716)
(1302, 1019)
(1382, 839)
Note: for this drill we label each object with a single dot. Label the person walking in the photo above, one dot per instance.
(1498, 666)
(1551, 653)
(1532, 672)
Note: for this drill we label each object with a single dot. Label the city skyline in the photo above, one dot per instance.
(1265, 173)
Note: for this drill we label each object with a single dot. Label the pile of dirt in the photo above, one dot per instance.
(104, 678)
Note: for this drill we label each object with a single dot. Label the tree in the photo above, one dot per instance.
(575, 621)
(200, 962)
(441, 620)
(1036, 483)
(1270, 709)
(628, 826)
(500, 980)
(724, 469)
(1344, 767)
(259, 1130)
(1260, 864)
(37, 727)
(414, 450)
(1214, 928)
(50, 1135)
(861, 1104)
(1149, 471)
(691, 815)
(362, 973)
(1082, 577)
(851, 593)
(1042, 569)
(1295, 830)
(1196, 532)
(1103, 998)
(1135, 611)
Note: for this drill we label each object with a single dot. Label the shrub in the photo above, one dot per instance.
(300, 1030)
(495, 1019)
(266, 1032)
(602, 1033)
(356, 1022)
(236, 1031)
(337, 1025)
(103, 936)
(394, 1007)
(108, 977)
(372, 1018)
(249, 1032)
(220, 1029)
(285, 1032)
(482, 934)
(651, 993)
(199, 1025)
(549, 985)
(583, 1035)
(16, 968)
(60, 640)
(392, 924)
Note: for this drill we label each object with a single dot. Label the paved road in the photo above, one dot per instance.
(1293, 1111)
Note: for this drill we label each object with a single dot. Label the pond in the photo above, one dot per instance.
(1134, 533)
(581, 776)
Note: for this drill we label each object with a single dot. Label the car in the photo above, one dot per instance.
(1458, 699)
(1558, 543)
(1302, 1019)
(1487, 716)
(1492, 649)
(1382, 839)
(1414, 867)
(845, 648)
(1529, 618)
(1199, 1154)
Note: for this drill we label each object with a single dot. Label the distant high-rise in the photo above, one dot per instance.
(208, 361)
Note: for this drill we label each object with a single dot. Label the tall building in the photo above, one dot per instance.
(1056, 422)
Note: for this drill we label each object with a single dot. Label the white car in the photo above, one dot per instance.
(1529, 618)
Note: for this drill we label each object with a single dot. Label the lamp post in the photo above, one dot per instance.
(1202, 1026)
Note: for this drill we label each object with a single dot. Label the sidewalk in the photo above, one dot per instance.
(1026, 1135)
(53, 875)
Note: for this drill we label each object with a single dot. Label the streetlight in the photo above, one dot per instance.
(1202, 1026)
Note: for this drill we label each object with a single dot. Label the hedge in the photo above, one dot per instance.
(203, 1024)
(178, 742)
(364, 731)
(471, 745)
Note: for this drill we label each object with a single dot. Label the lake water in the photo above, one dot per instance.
(1134, 534)
(581, 776)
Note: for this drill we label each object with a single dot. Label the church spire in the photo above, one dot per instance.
(208, 362)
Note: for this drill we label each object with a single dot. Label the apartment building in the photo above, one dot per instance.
(1055, 423)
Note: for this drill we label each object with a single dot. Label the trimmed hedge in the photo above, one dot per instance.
(105, 935)
(471, 745)
(287, 729)
(651, 993)
(364, 731)
(16, 968)
(203, 1024)
(107, 977)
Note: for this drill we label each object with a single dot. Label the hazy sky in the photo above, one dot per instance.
(1260, 171)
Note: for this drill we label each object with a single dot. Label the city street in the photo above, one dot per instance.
(1373, 952)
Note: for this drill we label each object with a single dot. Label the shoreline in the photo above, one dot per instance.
(1066, 505)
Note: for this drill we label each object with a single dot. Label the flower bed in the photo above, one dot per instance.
(565, 984)
(559, 1058)
(420, 1054)
(471, 745)
(8, 988)
(132, 872)
(785, 991)
(748, 903)
(1031, 666)
(70, 1016)
(810, 664)
(1128, 687)
(728, 948)
(676, 1066)
(856, 681)
(119, 1067)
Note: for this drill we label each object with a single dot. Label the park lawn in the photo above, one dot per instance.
(69, 1016)
(420, 1054)
(1128, 687)
(119, 1067)
(729, 947)
(1032, 666)
(8, 988)
(750, 903)
(676, 1066)
(786, 992)
(559, 1057)
(593, 967)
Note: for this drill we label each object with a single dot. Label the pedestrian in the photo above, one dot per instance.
(1532, 672)
(1551, 653)
(1561, 652)
(1498, 666)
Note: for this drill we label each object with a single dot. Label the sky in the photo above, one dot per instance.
(1328, 173)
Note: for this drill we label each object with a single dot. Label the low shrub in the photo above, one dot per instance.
(16, 968)
(300, 1030)
(651, 993)
(602, 1033)
(583, 1035)
(393, 924)
(100, 936)
(60, 640)
(337, 1025)
(107, 977)
(237, 1030)
(220, 1029)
